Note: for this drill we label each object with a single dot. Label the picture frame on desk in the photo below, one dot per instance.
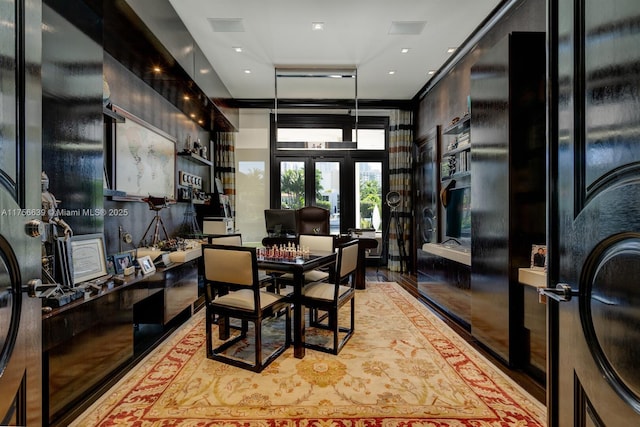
(88, 256)
(121, 262)
(111, 266)
(539, 257)
(146, 265)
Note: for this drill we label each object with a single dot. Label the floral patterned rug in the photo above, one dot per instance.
(402, 367)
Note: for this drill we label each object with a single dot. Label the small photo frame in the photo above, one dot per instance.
(146, 265)
(120, 262)
(111, 266)
(539, 257)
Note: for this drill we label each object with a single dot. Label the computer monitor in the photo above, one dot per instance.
(280, 222)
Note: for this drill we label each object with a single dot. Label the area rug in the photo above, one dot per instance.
(403, 367)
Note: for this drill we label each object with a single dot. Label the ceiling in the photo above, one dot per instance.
(367, 35)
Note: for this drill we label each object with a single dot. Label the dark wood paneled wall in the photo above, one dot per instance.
(448, 98)
(74, 145)
(132, 94)
(72, 111)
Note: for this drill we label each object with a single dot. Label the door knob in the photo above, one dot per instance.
(31, 287)
(561, 293)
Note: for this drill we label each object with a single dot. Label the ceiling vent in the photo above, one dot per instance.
(228, 25)
(408, 28)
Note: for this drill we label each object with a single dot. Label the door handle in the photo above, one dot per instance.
(561, 293)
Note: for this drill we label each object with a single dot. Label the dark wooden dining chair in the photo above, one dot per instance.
(235, 239)
(313, 242)
(330, 296)
(235, 269)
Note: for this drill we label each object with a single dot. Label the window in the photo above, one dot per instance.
(311, 171)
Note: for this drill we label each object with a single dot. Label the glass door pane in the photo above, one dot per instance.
(327, 191)
(292, 185)
(368, 200)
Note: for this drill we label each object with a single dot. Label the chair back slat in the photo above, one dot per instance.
(229, 239)
(325, 243)
(231, 265)
(348, 259)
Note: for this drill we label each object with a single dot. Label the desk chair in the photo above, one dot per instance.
(331, 296)
(236, 268)
(313, 220)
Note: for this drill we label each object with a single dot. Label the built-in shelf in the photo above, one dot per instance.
(531, 277)
(460, 126)
(459, 254)
(195, 158)
(456, 175)
(456, 150)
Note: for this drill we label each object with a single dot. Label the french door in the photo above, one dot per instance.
(351, 187)
(311, 182)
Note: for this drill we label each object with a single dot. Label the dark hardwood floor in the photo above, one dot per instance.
(410, 283)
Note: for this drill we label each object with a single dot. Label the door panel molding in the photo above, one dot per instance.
(584, 410)
(608, 314)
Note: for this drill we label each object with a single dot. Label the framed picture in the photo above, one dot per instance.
(539, 257)
(145, 162)
(120, 262)
(88, 257)
(146, 265)
(111, 267)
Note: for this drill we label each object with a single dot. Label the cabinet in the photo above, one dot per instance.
(89, 343)
(446, 283)
(508, 196)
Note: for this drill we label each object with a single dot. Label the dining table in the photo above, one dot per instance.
(297, 266)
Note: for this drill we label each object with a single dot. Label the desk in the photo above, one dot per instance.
(298, 267)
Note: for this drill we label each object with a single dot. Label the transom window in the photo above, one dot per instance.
(318, 161)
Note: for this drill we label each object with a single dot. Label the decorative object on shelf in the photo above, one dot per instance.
(444, 193)
(146, 265)
(189, 223)
(155, 204)
(121, 262)
(124, 237)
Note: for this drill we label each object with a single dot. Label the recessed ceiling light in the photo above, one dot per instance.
(205, 70)
(247, 71)
(186, 97)
(392, 72)
(193, 116)
(431, 72)
(317, 26)
(404, 50)
(238, 49)
(157, 69)
(451, 50)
